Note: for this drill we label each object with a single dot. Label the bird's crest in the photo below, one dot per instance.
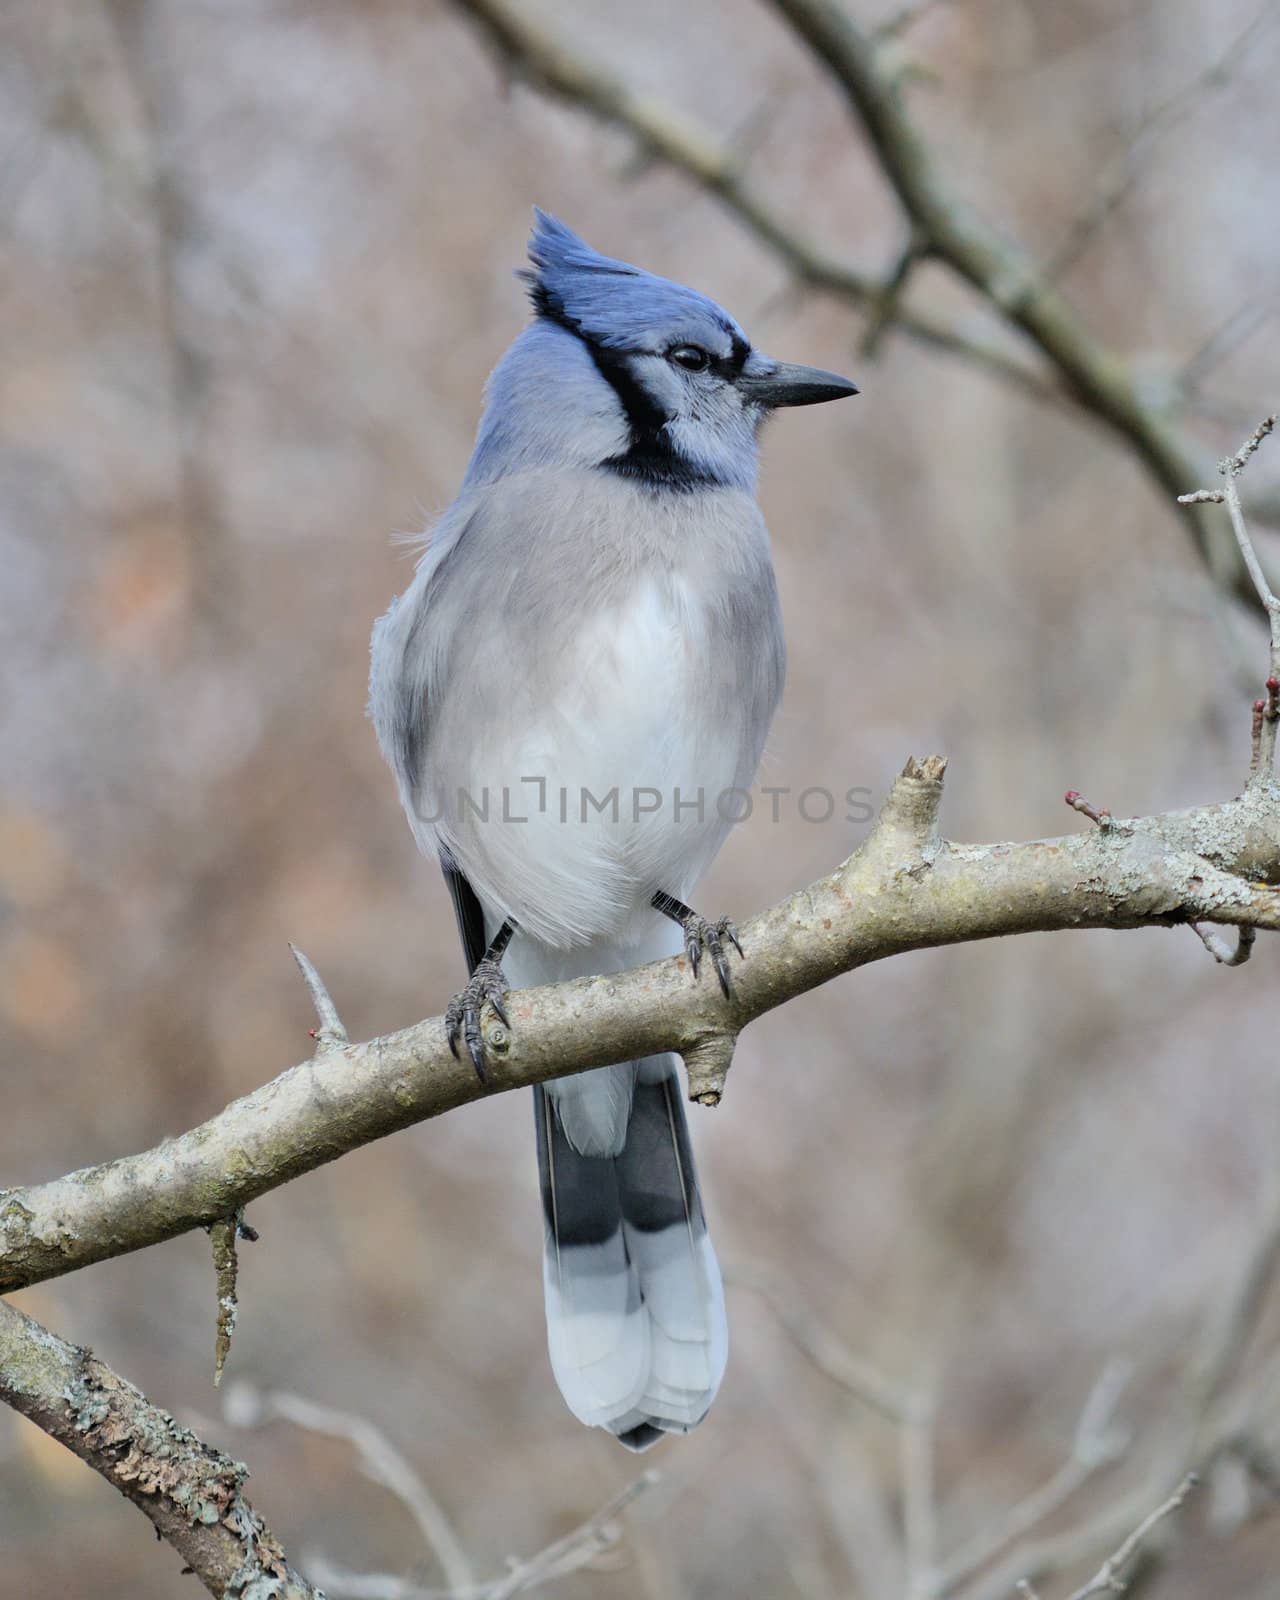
(610, 302)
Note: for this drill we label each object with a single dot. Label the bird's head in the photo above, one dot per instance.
(667, 386)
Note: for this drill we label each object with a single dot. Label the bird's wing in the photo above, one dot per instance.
(408, 659)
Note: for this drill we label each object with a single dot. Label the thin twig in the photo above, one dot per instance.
(583, 1544)
(330, 1035)
(898, 24)
(1266, 710)
(161, 183)
(1120, 173)
(222, 1239)
(1220, 950)
(999, 267)
(577, 1549)
(1233, 1323)
(379, 1460)
(1096, 1444)
(912, 1411)
(1219, 345)
(1266, 713)
(885, 309)
(823, 1348)
(1107, 1578)
(1239, 527)
(917, 1437)
(1101, 816)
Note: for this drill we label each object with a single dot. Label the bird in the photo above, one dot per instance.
(585, 663)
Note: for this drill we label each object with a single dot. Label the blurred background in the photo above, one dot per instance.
(255, 264)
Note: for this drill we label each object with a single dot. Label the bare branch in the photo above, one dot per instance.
(885, 309)
(1221, 951)
(1082, 372)
(1233, 1324)
(667, 134)
(226, 1266)
(192, 1493)
(1267, 710)
(1097, 1444)
(576, 1550)
(583, 1544)
(1077, 802)
(330, 1035)
(1107, 1578)
(912, 12)
(1118, 176)
(247, 1407)
(160, 184)
(904, 889)
(999, 267)
(1236, 464)
(825, 1349)
(1200, 1429)
(917, 1437)
(1219, 345)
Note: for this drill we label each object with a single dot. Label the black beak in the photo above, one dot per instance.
(792, 385)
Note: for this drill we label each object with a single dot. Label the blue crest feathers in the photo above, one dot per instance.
(612, 303)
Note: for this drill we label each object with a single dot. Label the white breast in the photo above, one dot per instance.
(599, 700)
(618, 778)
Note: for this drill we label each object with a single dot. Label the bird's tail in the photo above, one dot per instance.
(635, 1305)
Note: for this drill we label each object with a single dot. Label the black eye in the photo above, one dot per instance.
(690, 357)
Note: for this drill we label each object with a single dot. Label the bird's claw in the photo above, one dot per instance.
(462, 1017)
(700, 934)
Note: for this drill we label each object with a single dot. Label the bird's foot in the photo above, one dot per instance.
(700, 934)
(487, 984)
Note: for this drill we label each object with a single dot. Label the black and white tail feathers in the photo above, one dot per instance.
(635, 1308)
(636, 1322)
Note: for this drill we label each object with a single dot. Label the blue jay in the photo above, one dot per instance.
(585, 664)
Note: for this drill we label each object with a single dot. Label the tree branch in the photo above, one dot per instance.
(1107, 1579)
(380, 1461)
(667, 134)
(904, 889)
(1081, 371)
(1118, 176)
(1001, 269)
(577, 1550)
(191, 1492)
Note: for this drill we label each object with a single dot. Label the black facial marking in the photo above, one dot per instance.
(650, 457)
(652, 462)
(549, 308)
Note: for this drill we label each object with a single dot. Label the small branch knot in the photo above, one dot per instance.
(927, 769)
(909, 815)
(913, 802)
(905, 837)
(707, 1063)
